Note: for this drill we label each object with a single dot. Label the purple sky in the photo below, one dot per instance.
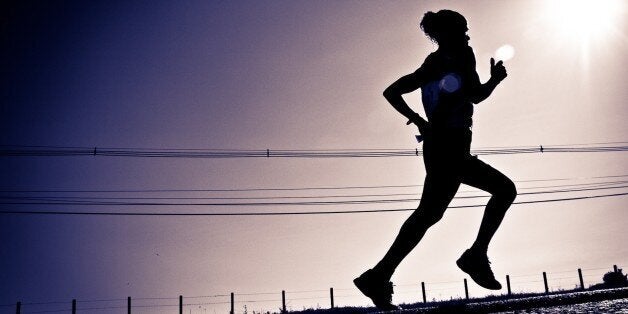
(288, 75)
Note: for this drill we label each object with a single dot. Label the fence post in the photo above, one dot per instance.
(466, 289)
(18, 307)
(128, 305)
(331, 295)
(73, 306)
(232, 304)
(423, 288)
(180, 304)
(545, 281)
(581, 280)
(615, 268)
(283, 301)
(508, 284)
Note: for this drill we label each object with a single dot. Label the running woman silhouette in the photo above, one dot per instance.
(449, 87)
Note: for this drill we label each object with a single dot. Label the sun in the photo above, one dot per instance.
(583, 20)
(582, 30)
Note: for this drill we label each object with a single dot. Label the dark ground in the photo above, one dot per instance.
(494, 304)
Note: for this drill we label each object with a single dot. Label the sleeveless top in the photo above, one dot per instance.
(445, 90)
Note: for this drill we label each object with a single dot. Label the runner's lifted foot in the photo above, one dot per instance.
(478, 267)
(379, 290)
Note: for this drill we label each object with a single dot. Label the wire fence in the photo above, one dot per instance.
(288, 301)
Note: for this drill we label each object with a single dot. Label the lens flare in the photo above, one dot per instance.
(505, 52)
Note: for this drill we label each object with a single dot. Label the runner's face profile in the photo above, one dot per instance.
(455, 36)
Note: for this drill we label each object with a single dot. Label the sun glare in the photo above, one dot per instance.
(582, 29)
(583, 19)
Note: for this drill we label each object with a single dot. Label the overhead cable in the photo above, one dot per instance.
(259, 189)
(105, 213)
(50, 151)
(112, 201)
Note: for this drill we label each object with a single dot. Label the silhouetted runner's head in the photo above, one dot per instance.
(447, 28)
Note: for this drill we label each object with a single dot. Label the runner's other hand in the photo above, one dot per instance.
(498, 71)
(419, 122)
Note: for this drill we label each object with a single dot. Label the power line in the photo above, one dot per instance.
(54, 198)
(20, 200)
(148, 149)
(50, 151)
(357, 187)
(286, 213)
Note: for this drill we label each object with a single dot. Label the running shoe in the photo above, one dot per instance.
(379, 290)
(478, 267)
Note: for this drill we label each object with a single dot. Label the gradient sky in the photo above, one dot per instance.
(292, 75)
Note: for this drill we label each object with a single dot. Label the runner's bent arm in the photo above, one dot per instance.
(404, 85)
(480, 91)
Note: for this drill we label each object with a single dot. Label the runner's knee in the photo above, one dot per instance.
(432, 218)
(508, 191)
(427, 217)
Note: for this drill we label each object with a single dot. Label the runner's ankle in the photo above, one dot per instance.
(478, 249)
(381, 273)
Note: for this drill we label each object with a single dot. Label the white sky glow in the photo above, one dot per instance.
(583, 19)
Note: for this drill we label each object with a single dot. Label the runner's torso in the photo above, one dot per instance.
(445, 93)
